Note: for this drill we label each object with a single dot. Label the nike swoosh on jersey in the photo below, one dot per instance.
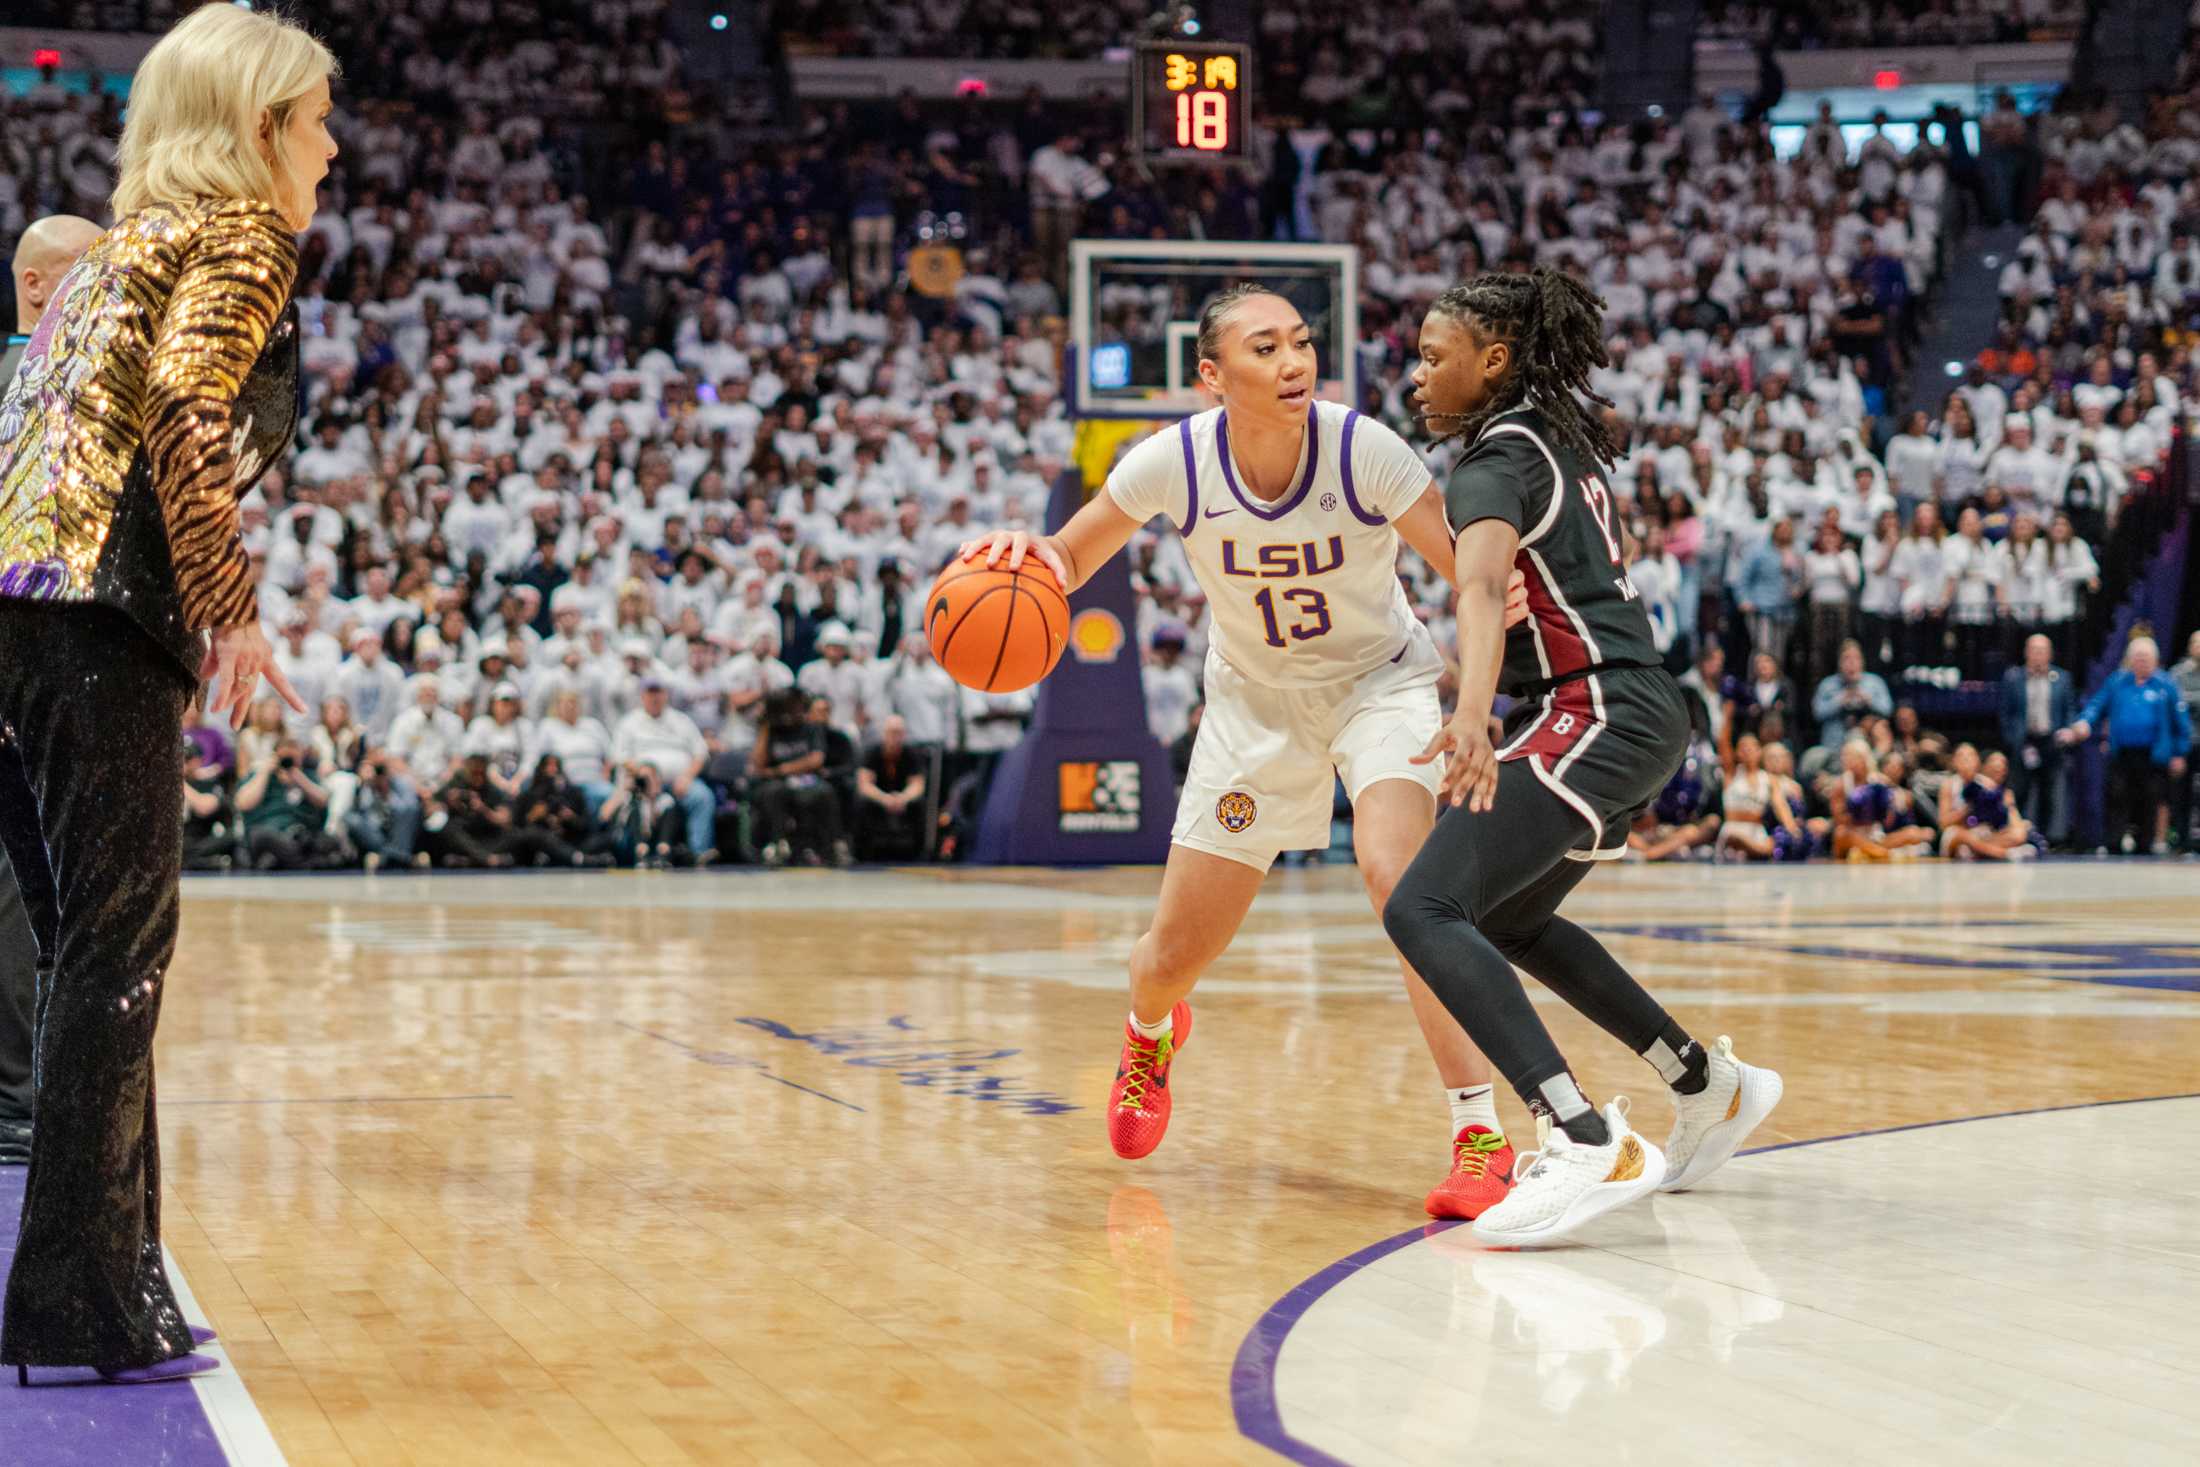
(1213, 514)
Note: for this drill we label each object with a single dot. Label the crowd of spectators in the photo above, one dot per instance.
(1023, 30)
(1875, 783)
(1793, 25)
(543, 78)
(1988, 552)
(618, 484)
(1760, 309)
(1440, 64)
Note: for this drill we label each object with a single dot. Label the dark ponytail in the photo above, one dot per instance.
(1555, 327)
(1217, 312)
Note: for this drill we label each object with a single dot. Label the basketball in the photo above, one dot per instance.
(994, 629)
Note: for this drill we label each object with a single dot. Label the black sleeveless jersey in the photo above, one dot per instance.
(1583, 611)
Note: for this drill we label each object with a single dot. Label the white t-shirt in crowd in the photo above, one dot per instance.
(842, 686)
(748, 673)
(1973, 568)
(427, 739)
(583, 748)
(1882, 578)
(927, 699)
(670, 742)
(1832, 575)
(506, 744)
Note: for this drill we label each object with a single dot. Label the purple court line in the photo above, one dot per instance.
(1253, 1374)
(91, 1425)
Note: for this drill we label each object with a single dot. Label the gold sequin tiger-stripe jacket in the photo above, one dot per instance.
(156, 388)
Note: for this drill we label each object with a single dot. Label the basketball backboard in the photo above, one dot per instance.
(1134, 317)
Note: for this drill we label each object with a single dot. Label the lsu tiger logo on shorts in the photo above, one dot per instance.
(1236, 812)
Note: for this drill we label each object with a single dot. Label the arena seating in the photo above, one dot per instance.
(1850, 23)
(592, 410)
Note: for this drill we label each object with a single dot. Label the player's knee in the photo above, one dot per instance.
(1381, 878)
(1414, 914)
(1402, 923)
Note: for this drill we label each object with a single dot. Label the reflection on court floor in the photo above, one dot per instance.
(810, 1168)
(1904, 1297)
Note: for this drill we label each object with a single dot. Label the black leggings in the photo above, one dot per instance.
(1482, 896)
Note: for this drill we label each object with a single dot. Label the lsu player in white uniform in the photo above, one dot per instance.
(1291, 510)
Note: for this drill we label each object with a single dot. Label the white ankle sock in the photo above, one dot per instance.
(1473, 1105)
(1154, 1031)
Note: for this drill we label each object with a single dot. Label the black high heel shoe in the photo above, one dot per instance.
(183, 1367)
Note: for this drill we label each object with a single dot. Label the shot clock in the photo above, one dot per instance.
(1190, 101)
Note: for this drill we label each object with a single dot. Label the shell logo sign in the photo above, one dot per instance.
(1096, 636)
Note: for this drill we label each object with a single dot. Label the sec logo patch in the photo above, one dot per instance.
(1329, 502)
(1235, 811)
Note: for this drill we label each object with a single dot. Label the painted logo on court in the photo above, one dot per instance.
(1236, 812)
(949, 1064)
(1096, 636)
(1099, 797)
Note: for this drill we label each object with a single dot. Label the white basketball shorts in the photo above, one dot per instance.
(1267, 759)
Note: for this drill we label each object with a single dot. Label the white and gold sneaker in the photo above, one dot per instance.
(1709, 1126)
(1566, 1184)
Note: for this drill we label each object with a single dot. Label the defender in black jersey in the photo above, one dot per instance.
(1595, 717)
(1597, 728)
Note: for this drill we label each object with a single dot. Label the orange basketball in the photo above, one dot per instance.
(997, 630)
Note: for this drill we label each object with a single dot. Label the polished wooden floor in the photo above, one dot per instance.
(810, 1168)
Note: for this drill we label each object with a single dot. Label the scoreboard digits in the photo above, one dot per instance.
(1189, 101)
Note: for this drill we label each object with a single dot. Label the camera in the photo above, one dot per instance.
(287, 761)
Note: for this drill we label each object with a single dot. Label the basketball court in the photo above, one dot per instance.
(811, 1168)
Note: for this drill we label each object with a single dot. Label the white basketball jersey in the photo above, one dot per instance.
(1302, 591)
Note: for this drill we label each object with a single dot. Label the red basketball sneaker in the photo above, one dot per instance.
(1138, 1106)
(1481, 1175)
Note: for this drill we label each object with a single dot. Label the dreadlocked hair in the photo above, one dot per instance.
(1555, 327)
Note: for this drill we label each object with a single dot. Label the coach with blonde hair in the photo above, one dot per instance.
(156, 387)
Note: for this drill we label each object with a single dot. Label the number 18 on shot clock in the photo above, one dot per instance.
(1191, 101)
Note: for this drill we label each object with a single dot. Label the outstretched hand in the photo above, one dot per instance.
(1471, 777)
(237, 658)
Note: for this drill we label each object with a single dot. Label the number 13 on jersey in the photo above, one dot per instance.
(1307, 608)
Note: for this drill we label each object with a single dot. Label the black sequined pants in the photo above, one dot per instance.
(18, 997)
(91, 808)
